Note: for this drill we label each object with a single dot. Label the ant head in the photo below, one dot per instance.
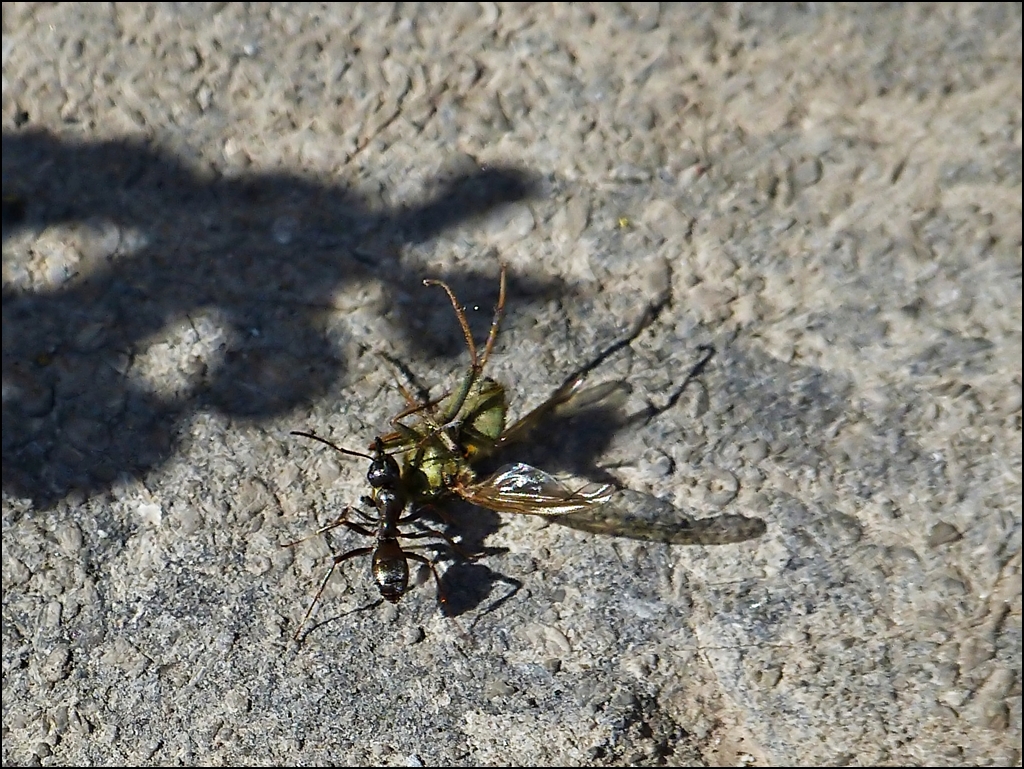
(384, 471)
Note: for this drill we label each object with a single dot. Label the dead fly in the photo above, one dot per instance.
(453, 434)
(450, 435)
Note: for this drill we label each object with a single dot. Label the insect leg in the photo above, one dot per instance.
(460, 313)
(407, 437)
(397, 366)
(452, 544)
(476, 364)
(334, 563)
(707, 353)
(499, 311)
(441, 597)
(570, 388)
(402, 439)
(341, 520)
(413, 407)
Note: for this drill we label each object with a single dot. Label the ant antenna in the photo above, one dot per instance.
(315, 437)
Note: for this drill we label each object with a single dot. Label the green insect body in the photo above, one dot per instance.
(440, 454)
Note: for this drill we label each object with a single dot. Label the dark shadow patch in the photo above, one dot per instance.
(264, 253)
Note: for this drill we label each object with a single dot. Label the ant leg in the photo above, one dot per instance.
(423, 508)
(339, 521)
(337, 559)
(454, 546)
(441, 598)
(445, 518)
(353, 526)
(415, 514)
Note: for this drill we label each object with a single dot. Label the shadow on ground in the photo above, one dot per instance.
(263, 254)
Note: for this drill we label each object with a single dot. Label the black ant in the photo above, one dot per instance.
(390, 561)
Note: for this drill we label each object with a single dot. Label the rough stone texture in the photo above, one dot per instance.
(216, 218)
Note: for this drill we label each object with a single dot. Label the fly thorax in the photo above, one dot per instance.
(482, 417)
(431, 468)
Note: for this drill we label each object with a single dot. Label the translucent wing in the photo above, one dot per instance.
(633, 514)
(572, 397)
(520, 488)
(602, 508)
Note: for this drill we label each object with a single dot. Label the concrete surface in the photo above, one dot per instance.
(217, 218)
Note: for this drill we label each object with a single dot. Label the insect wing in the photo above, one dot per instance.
(520, 488)
(569, 399)
(636, 515)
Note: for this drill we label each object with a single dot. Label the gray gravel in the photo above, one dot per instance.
(217, 219)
